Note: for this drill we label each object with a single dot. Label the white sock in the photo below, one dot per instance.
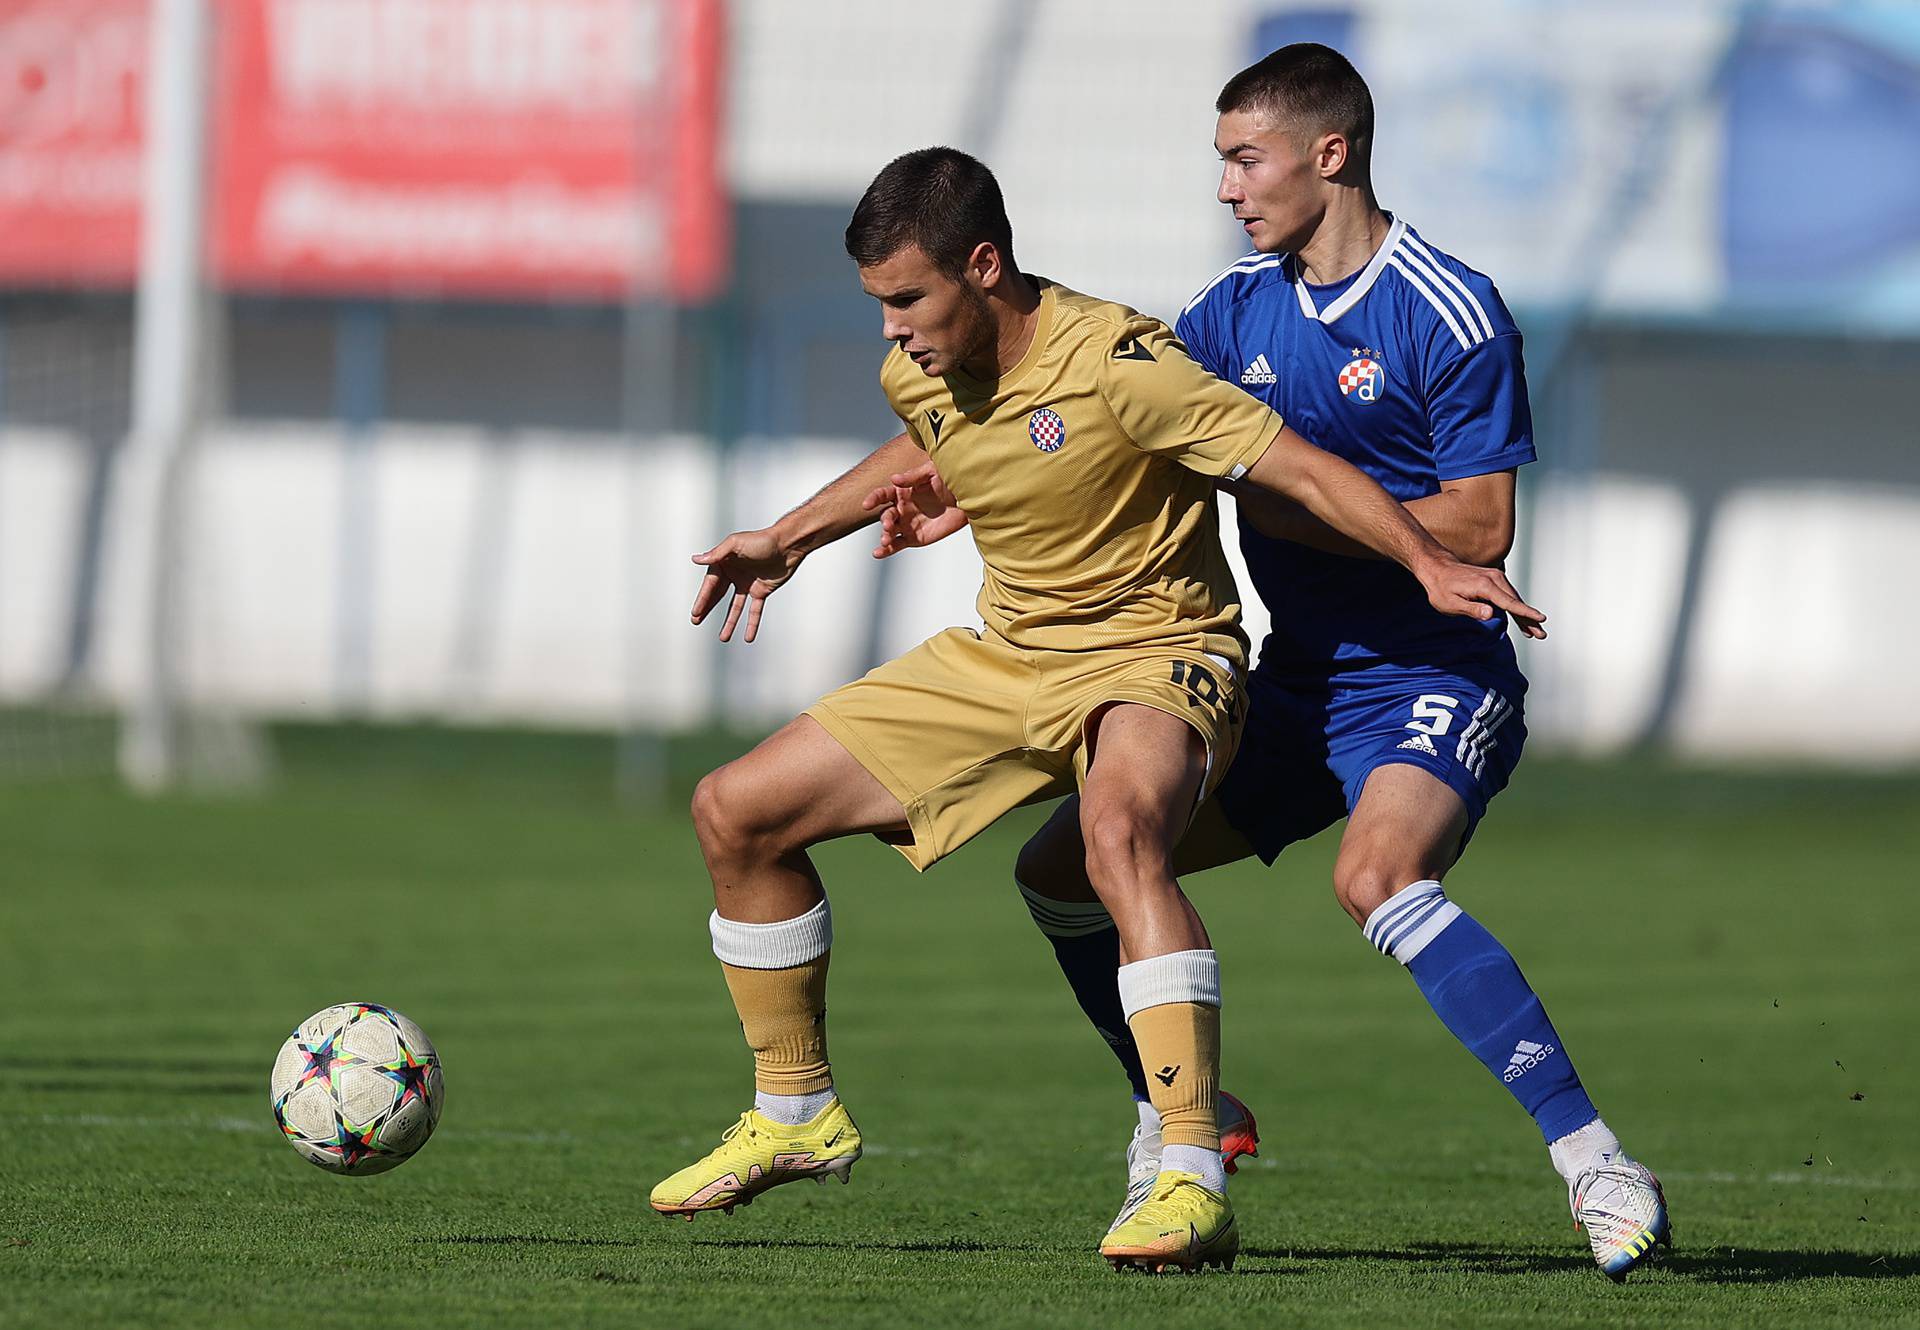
(1196, 1159)
(1149, 1115)
(792, 1110)
(1589, 1147)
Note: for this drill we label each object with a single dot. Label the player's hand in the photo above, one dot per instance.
(1477, 593)
(753, 564)
(916, 509)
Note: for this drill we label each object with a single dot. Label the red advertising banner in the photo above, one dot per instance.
(70, 117)
(474, 147)
(497, 149)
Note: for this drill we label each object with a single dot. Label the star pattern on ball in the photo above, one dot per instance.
(411, 1075)
(324, 1059)
(350, 1143)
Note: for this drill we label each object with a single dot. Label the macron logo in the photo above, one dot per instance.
(1526, 1056)
(1259, 371)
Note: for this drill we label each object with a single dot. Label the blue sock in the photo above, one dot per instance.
(1479, 994)
(1087, 945)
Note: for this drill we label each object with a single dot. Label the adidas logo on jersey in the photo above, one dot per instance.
(1259, 371)
(1526, 1056)
(1419, 743)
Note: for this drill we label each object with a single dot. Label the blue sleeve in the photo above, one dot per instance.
(1478, 410)
(1197, 335)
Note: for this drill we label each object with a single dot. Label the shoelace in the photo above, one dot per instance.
(1622, 1178)
(734, 1130)
(1579, 1190)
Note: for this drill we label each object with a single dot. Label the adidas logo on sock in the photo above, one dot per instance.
(1259, 371)
(1526, 1056)
(1419, 743)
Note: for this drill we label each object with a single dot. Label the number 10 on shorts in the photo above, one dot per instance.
(1203, 690)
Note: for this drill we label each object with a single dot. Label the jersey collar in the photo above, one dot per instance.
(1043, 326)
(1361, 284)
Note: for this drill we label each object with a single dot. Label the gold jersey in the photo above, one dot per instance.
(1087, 473)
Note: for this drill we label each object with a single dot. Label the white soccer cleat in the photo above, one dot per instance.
(1143, 1166)
(1239, 1135)
(1621, 1206)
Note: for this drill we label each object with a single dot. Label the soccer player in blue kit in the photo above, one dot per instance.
(1367, 704)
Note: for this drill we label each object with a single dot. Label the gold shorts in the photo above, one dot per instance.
(967, 726)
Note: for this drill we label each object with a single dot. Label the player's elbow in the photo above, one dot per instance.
(1486, 543)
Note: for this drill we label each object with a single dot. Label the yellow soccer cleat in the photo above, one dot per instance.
(757, 1153)
(1181, 1224)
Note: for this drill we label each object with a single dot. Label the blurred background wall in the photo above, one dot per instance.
(511, 305)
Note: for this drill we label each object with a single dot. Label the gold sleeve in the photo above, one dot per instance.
(894, 386)
(1171, 407)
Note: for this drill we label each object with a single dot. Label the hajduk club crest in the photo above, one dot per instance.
(1047, 430)
(1363, 378)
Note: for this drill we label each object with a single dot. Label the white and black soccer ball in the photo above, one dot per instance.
(357, 1088)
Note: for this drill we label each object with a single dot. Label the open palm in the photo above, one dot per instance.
(752, 566)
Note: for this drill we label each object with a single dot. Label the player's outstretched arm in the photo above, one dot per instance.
(752, 565)
(1472, 516)
(1352, 503)
(916, 509)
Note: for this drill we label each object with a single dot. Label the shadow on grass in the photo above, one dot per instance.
(118, 1075)
(1737, 1265)
(933, 1245)
(191, 1089)
(170, 1066)
(915, 1246)
(1714, 1266)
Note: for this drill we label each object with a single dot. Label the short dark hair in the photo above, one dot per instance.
(1311, 86)
(939, 199)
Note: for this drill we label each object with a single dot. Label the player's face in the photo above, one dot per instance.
(942, 322)
(1270, 180)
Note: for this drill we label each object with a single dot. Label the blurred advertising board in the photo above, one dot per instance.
(1718, 158)
(494, 149)
(70, 122)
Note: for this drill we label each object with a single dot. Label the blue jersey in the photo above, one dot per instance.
(1411, 370)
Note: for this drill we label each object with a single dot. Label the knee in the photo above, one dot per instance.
(730, 822)
(1362, 884)
(1119, 846)
(711, 815)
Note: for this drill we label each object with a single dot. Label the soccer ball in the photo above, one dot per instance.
(357, 1088)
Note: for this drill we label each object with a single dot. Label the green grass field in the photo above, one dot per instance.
(1730, 958)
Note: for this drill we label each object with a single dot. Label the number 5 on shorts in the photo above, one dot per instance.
(1433, 713)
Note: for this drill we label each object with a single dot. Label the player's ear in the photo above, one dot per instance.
(984, 265)
(1332, 157)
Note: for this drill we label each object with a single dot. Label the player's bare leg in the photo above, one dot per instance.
(757, 815)
(1145, 777)
(1051, 873)
(773, 934)
(1407, 826)
(1404, 834)
(1057, 855)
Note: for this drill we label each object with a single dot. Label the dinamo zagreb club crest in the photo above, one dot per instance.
(1047, 430)
(1363, 379)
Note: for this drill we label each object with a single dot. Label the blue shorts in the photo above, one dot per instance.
(1309, 747)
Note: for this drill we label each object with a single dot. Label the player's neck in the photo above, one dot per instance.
(1348, 236)
(1016, 316)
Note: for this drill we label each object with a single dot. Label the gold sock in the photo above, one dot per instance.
(783, 1014)
(1180, 1048)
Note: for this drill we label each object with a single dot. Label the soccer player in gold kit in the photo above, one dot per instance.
(1084, 445)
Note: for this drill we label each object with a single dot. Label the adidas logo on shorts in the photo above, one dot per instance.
(1526, 1056)
(1419, 743)
(1259, 371)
